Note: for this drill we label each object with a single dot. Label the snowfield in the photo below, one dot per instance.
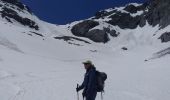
(35, 67)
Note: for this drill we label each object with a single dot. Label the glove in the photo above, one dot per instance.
(78, 89)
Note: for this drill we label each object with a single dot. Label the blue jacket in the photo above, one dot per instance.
(89, 83)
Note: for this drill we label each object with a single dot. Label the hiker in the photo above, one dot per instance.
(89, 83)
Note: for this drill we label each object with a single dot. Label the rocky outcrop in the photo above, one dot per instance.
(165, 37)
(9, 14)
(116, 18)
(162, 53)
(103, 13)
(159, 13)
(155, 12)
(12, 11)
(17, 3)
(112, 32)
(70, 38)
(84, 29)
(134, 9)
(125, 20)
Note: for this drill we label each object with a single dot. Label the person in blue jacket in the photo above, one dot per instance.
(89, 83)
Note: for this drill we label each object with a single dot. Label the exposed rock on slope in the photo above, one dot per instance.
(154, 12)
(14, 11)
(130, 17)
(165, 37)
(159, 13)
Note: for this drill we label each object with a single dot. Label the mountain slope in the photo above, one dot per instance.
(131, 16)
(45, 63)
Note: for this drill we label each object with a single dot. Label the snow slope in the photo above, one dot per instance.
(36, 66)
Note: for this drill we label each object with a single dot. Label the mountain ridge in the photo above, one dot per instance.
(128, 17)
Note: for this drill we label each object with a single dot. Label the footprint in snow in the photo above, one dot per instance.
(4, 74)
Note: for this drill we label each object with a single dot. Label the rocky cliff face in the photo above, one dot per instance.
(15, 11)
(154, 12)
(130, 17)
(159, 13)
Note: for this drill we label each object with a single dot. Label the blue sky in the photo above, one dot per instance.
(66, 11)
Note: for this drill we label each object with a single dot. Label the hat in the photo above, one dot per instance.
(88, 62)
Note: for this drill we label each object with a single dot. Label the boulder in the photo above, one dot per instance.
(165, 37)
(98, 35)
(82, 28)
(124, 48)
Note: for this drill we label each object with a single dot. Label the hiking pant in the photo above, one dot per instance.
(91, 96)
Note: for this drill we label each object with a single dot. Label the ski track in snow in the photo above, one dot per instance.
(43, 85)
(3, 76)
(8, 44)
(18, 95)
(36, 83)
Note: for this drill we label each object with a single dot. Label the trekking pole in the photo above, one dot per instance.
(77, 92)
(101, 95)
